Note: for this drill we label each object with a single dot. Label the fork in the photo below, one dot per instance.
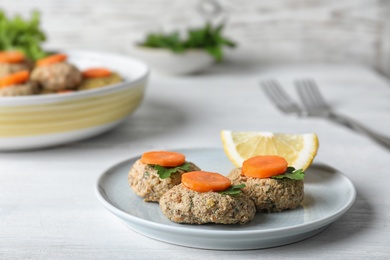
(316, 106)
(280, 98)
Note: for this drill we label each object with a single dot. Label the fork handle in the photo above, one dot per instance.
(354, 125)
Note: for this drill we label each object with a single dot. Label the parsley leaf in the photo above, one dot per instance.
(233, 190)
(21, 34)
(208, 38)
(166, 172)
(291, 173)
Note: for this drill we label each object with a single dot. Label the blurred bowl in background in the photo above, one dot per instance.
(29, 122)
(167, 62)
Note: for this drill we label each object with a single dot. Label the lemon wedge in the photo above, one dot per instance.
(299, 150)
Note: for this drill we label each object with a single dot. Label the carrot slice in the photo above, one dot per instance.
(202, 181)
(51, 59)
(14, 79)
(11, 56)
(96, 73)
(163, 158)
(264, 166)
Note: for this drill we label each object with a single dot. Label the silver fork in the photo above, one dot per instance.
(280, 98)
(316, 106)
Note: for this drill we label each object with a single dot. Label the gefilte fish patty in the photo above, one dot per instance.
(270, 195)
(183, 205)
(146, 183)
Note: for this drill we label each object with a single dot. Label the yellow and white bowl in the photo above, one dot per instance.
(29, 122)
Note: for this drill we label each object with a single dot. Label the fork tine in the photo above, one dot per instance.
(269, 90)
(303, 94)
(275, 93)
(314, 93)
(279, 92)
(279, 97)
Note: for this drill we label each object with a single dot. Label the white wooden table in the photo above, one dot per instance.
(48, 209)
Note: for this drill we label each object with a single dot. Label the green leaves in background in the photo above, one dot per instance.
(22, 35)
(208, 38)
(233, 190)
(291, 173)
(167, 41)
(166, 172)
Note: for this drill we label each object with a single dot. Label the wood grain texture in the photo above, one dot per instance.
(348, 31)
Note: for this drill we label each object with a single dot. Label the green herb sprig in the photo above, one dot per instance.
(23, 35)
(166, 172)
(291, 173)
(208, 38)
(233, 190)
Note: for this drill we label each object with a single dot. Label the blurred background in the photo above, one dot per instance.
(281, 31)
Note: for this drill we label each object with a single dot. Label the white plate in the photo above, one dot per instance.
(328, 195)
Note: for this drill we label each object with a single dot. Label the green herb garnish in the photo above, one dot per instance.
(22, 35)
(291, 173)
(208, 38)
(233, 190)
(166, 172)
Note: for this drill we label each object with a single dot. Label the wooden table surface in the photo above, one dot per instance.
(48, 209)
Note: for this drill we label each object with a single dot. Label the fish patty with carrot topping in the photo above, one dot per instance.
(183, 205)
(17, 84)
(57, 76)
(8, 68)
(270, 195)
(207, 197)
(25, 89)
(157, 172)
(13, 61)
